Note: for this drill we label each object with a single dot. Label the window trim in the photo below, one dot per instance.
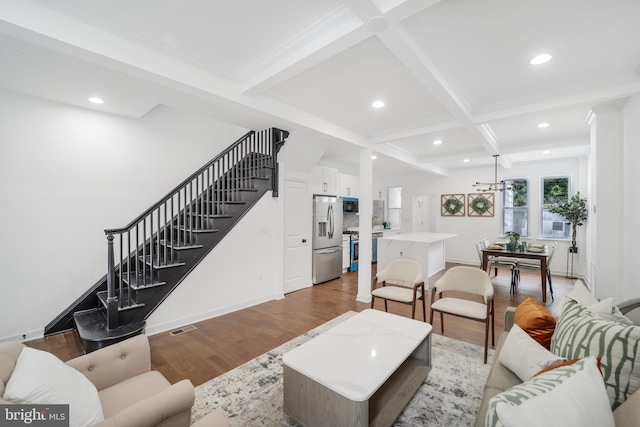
(527, 207)
(542, 208)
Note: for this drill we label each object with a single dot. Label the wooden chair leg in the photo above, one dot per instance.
(441, 323)
(413, 309)
(385, 306)
(372, 300)
(424, 307)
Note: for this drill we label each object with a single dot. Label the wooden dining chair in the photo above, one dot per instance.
(458, 292)
(402, 281)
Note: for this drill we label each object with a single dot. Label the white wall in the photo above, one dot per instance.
(66, 174)
(631, 198)
(238, 273)
(472, 229)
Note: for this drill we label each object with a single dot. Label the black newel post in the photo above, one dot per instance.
(112, 300)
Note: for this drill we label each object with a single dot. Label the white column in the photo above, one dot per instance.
(631, 199)
(606, 199)
(365, 208)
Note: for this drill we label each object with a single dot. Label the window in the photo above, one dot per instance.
(554, 190)
(395, 206)
(515, 207)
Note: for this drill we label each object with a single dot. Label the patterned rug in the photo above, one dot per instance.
(251, 394)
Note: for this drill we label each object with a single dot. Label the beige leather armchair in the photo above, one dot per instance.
(131, 394)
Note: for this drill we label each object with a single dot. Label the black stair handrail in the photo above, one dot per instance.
(190, 207)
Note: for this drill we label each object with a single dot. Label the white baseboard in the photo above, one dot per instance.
(199, 317)
(26, 336)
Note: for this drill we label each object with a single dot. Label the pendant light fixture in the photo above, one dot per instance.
(495, 185)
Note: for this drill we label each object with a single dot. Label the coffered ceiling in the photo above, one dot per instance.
(456, 71)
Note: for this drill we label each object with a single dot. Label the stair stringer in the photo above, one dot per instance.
(89, 301)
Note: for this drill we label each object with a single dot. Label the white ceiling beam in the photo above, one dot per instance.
(405, 48)
(577, 96)
(407, 8)
(416, 130)
(337, 32)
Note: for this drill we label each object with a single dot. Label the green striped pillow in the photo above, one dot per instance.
(569, 396)
(580, 333)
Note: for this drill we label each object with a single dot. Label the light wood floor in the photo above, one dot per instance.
(220, 344)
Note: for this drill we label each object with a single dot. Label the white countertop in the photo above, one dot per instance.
(357, 356)
(423, 237)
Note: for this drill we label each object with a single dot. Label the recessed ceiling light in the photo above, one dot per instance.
(96, 100)
(377, 104)
(540, 59)
(437, 142)
(374, 157)
(543, 125)
(546, 152)
(466, 160)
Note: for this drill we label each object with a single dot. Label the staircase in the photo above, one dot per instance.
(148, 258)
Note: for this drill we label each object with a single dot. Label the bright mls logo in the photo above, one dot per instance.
(34, 415)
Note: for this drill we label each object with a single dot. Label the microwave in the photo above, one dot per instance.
(349, 205)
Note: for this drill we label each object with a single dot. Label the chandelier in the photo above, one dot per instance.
(495, 185)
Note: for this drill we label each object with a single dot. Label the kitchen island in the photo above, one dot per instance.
(426, 248)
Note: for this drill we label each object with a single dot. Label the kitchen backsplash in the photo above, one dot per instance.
(351, 220)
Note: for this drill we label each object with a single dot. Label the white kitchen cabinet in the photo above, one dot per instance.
(324, 180)
(378, 192)
(349, 185)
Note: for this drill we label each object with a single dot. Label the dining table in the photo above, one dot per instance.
(540, 254)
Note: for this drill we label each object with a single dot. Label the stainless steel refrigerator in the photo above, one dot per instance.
(327, 238)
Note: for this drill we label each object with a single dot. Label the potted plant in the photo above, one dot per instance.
(575, 211)
(513, 240)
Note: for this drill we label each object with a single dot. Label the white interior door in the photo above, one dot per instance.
(297, 230)
(421, 216)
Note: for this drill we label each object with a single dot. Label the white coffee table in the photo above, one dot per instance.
(361, 372)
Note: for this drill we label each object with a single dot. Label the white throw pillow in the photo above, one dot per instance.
(569, 396)
(580, 294)
(41, 378)
(524, 356)
(606, 310)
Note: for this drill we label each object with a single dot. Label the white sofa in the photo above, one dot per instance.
(501, 378)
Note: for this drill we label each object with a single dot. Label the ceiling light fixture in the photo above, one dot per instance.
(540, 59)
(543, 125)
(495, 185)
(377, 104)
(466, 160)
(373, 156)
(546, 152)
(437, 142)
(96, 100)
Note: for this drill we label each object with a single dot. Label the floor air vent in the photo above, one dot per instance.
(182, 330)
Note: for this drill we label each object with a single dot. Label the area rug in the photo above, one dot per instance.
(251, 394)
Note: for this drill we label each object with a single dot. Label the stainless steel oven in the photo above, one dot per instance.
(354, 249)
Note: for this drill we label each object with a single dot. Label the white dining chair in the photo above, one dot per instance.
(402, 281)
(494, 262)
(458, 290)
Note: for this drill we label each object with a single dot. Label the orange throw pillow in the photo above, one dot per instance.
(535, 320)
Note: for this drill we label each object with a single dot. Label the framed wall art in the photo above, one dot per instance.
(481, 204)
(452, 205)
